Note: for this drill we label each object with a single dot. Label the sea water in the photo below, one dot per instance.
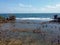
(32, 16)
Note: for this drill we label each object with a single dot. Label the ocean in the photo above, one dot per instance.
(33, 16)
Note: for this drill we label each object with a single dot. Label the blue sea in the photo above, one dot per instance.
(32, 15)
(35, 17)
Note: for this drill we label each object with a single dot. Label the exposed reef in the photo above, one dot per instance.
(8, 19)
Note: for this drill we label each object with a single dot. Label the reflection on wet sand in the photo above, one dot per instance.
(26, 34)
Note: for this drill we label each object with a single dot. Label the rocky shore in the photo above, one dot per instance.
(25, 36)
(47, 33)
(8, 19)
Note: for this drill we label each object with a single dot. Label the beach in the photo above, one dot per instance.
(29, 33)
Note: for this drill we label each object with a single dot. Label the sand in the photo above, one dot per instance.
(28, 33)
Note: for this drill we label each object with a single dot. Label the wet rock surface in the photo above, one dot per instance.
(10, 34)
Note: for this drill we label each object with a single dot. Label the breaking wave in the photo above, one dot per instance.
(35, 19)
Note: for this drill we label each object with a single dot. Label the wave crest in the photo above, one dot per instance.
(34, 18)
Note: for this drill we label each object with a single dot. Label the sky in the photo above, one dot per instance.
(29, 6)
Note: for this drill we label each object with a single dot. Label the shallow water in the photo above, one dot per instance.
(19, 26)
(48, 37)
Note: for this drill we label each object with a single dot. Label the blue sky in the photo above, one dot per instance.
(29, 6)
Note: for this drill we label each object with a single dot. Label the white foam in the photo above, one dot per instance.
(35, 19)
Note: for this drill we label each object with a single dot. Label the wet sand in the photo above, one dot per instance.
(26, 33)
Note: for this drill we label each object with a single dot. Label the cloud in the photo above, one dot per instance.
(25, 6)
(51, 8)
(47, 9)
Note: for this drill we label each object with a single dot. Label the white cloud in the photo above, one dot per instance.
(25, 6)
(46, 9)
(51, 8)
